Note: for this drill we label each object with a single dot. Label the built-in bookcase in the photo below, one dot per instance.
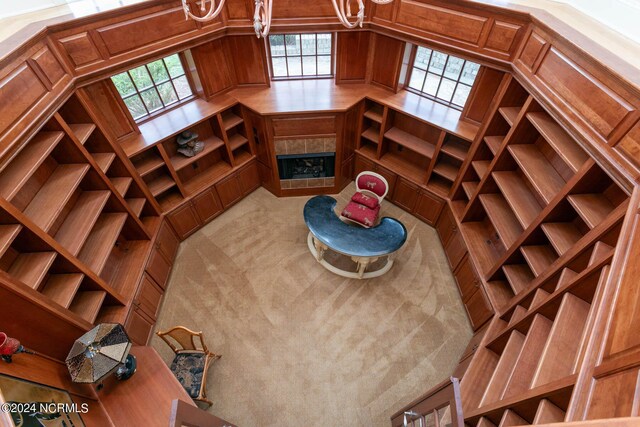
(173, 177)
(412, 148)
(69, 204)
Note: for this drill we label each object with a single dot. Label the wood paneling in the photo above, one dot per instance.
(599, 106)
(213, 67)
(502, 36)
(139, 32)
(109, 109)
(207, 205)
(283, 9)
(531, 54)
(81, 49)
(387, 59)
(49, 65)
(239, 10)
(629, 145)
(149, 297)
(229, 190)
(322, 125)
(352, 56)
(445, 22)
(167, 242)
(482, 94)
(158, 268)
(428, 207)
(19, 91)
(249, 60)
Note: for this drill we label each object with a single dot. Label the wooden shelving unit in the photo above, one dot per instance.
(65, 190)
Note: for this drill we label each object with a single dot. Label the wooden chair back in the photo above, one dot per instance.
(180, 338)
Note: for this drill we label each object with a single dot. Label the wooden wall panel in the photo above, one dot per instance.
(598, 106)
(213, 67)
(387, 60)
(629, 145)
(502, 36)
(19, 91)
(250, 67)
(322, 125)
(135, 33)
(483, 92)
(352, 54)
(383, 12)
(239, 10)
(107, 106)
(286, 9)
(49, 65)
(445, 22)
(533, 51)
(81, 49)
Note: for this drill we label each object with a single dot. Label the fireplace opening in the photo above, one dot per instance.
(310, 165)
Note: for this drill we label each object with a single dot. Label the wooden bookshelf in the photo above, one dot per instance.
(562, 235)
(544, 178)
(80, 221)
(230, 120)
(518, 195)
(121, 183)
(148, 162)
(16, 173)
(519, 276)
(137, 204)
(8, 233)
(210, 144)
(592, 208)
(104, 160)
(82, 131)
(539, 257)
(374, 114)
(100, 241)
(510, 114)
(45, 207)
(31, 268)
(413, 143)
(236, 141)
(212, 174)
(371, 134)
(87, 304)
(160, 184)
(494, 143)
(500, 214)
(62, 288)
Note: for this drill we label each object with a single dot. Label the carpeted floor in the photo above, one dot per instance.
(300, 345)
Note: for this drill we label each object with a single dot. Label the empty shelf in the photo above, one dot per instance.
(481, 167)
(136, 205)
(61, 288)
(400, 166)
(148, 164)
(544, 178)
(19, 169)
(518, 275)
(413, 143)
(518, 313)
(31, 268)
(236, 141)
(455, 149)
(371, 134)
(121, 183)
(562, 235)
(82, 131)
(470, 188)
(373, 114)
(494, 143)
(230, 120)
(502, 218)
(8, 233)
(104, 160)
(45, 207)
(548, 413)
(446, 170)
(503, 369)
(539, 257)
(78, 224)
(600, 251)
(562, 143)
(510, 114)
(592, 208)
(206, 177)
(210, 144)
(100, 242)
(519, 196)
(566, 276)
(87, 304)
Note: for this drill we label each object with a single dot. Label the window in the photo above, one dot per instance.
(301, 55)
(441, 77)
(153, 87)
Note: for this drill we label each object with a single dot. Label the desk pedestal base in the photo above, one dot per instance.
(318, 250)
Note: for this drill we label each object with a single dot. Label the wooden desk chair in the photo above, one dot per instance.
(364, 206)
(191, 362)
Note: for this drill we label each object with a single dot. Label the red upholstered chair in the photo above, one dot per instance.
(364, 206)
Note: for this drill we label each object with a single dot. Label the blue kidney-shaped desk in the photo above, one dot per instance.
(365, 246)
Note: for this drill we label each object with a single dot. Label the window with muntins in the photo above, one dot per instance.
(295, 56)
(444, 78)
(151, 88)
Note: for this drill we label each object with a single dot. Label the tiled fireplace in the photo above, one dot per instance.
(306, 162)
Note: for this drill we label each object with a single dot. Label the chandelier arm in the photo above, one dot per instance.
(262, 17)
(340, 12)
(211, 14)
(382, 1)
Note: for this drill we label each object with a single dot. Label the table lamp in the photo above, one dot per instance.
(100, 352)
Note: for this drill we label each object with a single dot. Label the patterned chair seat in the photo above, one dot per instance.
(360, 213)
(188, 367)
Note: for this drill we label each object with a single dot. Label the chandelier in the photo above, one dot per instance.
(264, 8)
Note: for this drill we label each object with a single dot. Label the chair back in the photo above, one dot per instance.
(372, 183)
(180, 338)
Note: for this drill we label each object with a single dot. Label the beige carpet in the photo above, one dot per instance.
(300, 345)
